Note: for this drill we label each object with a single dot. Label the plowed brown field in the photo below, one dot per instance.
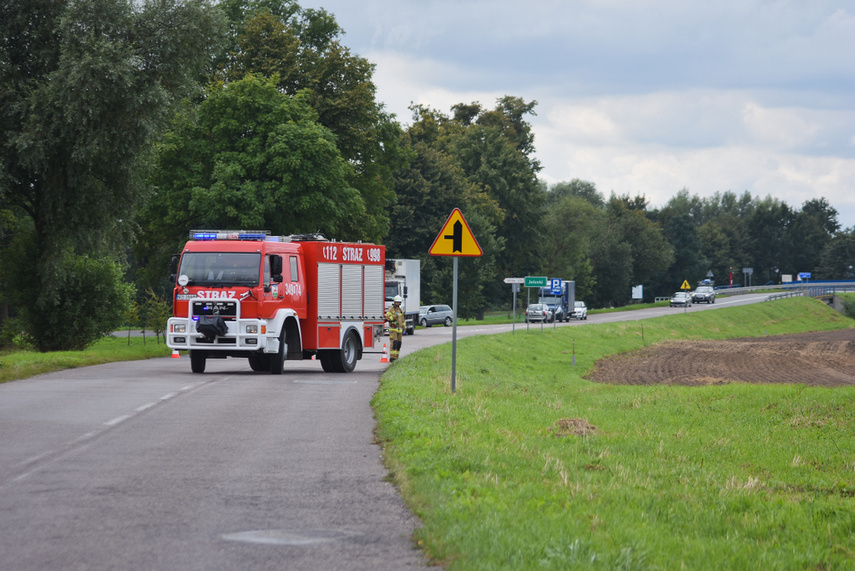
(825, 358)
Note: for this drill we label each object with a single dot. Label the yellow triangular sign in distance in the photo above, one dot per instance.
(685, 285)
(455, 238)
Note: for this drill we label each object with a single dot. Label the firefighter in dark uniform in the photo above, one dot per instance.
(397, 322)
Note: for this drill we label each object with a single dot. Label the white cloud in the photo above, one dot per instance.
(645, 96)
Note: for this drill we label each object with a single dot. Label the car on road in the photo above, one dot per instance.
(538, 312)
(559, 314)
(703, 293)
(435, 315)
(580, 310)
(681, 298)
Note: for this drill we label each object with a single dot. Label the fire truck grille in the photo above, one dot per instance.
(217, 341)
(223, 308)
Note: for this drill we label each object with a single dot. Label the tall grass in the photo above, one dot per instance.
(731, 476)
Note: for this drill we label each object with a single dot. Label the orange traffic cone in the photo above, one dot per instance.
(385, 357)
(176, 354)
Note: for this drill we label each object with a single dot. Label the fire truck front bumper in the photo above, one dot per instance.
(241, 335)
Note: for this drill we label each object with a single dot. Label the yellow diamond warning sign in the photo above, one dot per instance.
(455, 238)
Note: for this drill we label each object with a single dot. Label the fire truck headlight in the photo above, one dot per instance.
(252, 329)
(180, 340)
(179, 328)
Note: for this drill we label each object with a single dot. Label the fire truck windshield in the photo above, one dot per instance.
(221, 268)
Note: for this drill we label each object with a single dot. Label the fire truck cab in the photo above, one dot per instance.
(274, 298)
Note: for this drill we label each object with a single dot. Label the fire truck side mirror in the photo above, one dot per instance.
(276, 267)
(173, 267)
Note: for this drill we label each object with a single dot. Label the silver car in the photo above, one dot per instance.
(435, 315)
(538, 312)
(681, 298)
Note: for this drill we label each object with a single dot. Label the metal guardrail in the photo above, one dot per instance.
(812, 291)
(836, 287)
(775, 296)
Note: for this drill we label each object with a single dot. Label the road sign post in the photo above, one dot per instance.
(515, 287)
(455, 239)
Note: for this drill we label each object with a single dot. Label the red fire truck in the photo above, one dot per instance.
(272, 298)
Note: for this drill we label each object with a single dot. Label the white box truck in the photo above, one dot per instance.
(403, 277)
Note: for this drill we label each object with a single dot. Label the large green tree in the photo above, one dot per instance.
(768, 227)
(631, 251)
(84, 87)
(838, 257)
(679, 226)
(496, 151)
(811, 230)
(573, 223)
(302, 50)
(428, 189)
(490, 151)
(250, 156)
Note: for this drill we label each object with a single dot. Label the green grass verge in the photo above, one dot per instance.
(24, 364)
(734, 476)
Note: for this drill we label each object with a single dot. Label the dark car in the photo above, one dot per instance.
(681, 298)
(435, 315)
(704, 294)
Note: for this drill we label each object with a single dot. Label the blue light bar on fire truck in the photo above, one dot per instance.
(228, 234)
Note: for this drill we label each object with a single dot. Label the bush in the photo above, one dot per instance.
(848, 304)
(157, 312)
(80, 300)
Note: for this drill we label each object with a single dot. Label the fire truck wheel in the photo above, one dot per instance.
(197, 361)
(344, 361)
(277, 361)
(259, 363)
(326, 358)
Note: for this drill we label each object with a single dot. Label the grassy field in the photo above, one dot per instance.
(23, 364)
(734, 476)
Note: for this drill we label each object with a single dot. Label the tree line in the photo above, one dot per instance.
(125, 124)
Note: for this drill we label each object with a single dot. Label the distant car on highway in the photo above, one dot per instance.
(681, 298)
(704, 294)
(538, 312)
(580, 310)
(435, 315)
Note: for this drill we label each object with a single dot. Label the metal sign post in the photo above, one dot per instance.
(455, 239)
(515, 287)
(454, 330)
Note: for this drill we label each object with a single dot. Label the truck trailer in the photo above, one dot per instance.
(562, 303)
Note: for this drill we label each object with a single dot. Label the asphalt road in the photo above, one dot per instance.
(144, 465)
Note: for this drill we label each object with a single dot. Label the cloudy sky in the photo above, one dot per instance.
(639, 96)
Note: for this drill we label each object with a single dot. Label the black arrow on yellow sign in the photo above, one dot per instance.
(456, 237)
